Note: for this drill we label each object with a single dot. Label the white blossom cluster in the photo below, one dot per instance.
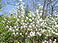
(32, 25)
(50, 41)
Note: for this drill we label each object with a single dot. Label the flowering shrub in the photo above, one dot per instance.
(28, 28)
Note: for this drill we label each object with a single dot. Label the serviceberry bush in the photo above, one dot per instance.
(28, 27)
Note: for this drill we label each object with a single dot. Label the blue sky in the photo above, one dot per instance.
(8, 5)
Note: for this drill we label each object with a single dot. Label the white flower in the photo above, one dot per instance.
(28, 29)
(50, 28)
(10, 28)
(19, 16)
(37, 22)
(36, 29)
(43, 30)
(56, 26)
(56, 30)
(33, 14)
(37, 10)
(18, 42)
(21, 27)
(4, 18)
(17, 19)
(27, 22)
(47, 35)
(14, 17)
(17, 7)
(27, 18)
(16, 29)
(24, 26)
(26, 33)
(40, 14)
(41, 7)
(56, 33)
(20, 33)
(37, 25)
(17, 33)
(53, 32)
(23, 3)
(28, 36)
(45, 41)
(32, 33)
(30, 26)
(20, 0)
(38, 33)
(14, 26)
(22, 23)
(31, 29)
(14, 33)
(17, 24)
(22, 20)
(33, 22)
(41, 11)
(7, 26)
(30, 15)
(17, 4)
(50, 40)
(33, 25)
(13, 30)
(22, 8)
(39, 4)
(8, 21)
(42, 24)
(3, 21)
(55, 39)
(32, 18)
(49, 31)
(40, 19)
